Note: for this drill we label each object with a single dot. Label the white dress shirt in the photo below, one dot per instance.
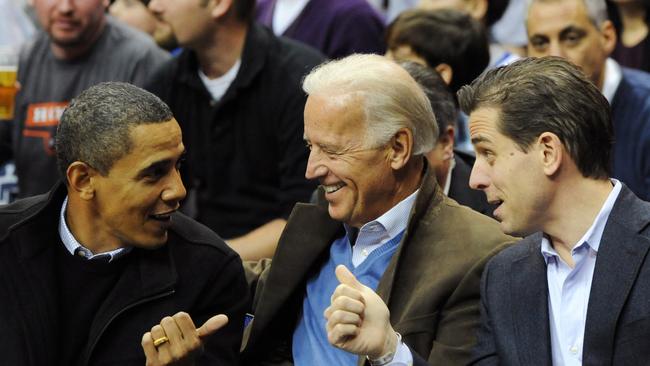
(569, 288)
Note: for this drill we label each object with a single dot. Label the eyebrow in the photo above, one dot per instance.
(572, 28)
(480, 138)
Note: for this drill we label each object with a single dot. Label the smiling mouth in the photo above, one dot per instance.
(163, 217)
(333, 188)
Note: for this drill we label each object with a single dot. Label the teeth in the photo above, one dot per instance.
(333, 188)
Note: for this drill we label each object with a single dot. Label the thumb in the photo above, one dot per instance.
(346, 277)
(212, 325)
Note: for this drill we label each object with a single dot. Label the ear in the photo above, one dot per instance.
(221, 8)
(447, 142)
(477, 8)
(106, 3)
(551, 152)
(401, 146)
(80, 180)
(445, 71)
(608, 33)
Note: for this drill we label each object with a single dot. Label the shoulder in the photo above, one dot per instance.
(132, 43)
(286, 55)
(191, 232)
(20, 212)
(636, 83)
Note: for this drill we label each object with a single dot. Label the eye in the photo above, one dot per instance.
(180, 162)
(572, 39)
(538, 43)
(308, 145)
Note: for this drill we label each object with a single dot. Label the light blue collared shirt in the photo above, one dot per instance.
(73, 246)
(569, 288)
(378, 232)
(373, 235)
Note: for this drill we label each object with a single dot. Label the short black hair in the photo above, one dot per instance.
(95, 127)
(548, 94)
(443, 36)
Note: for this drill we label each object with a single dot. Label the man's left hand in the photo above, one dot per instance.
(179, 342)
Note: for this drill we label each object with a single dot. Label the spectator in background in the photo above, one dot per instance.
(459, 54)
(236, 91)
(79, 46)
(337, 28)
(136, 14)
(485, 11)
(631, 19)
(451, 167)
(579, 31)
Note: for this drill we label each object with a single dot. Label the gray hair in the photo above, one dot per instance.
(547, 94)
(95, 127)
(596, 10)
(391, 98)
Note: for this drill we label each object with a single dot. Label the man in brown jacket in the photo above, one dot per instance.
(384, 225)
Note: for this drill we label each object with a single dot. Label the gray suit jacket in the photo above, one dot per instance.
(514, 297)
(431, 285)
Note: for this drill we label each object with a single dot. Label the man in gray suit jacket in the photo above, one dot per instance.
(410, 249)
(576, 291)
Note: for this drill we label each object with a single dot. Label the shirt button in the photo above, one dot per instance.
(574, 350)
(364, 252)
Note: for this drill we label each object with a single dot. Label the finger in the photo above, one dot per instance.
(343, 317)
(176, 343)
(342, 333)
(212, 325)
(162, 350)
(347, 304)
(347, 278)
(150, 351)
(347, 291)
(185, 324)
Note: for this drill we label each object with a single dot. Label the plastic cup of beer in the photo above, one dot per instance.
(8, 74)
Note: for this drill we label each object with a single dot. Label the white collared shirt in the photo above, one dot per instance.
(375, 233)
(612, 80)
(73, 246)
(285, 13)
(569, 288)
(217, 87)
(447, 186)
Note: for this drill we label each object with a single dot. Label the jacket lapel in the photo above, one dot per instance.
(309, 237)
(529, 299)
(621, 253)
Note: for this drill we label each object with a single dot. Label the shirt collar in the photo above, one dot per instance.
(73, 246)
(613, 76)
(593, 235)
(393, 221)
(447, 186)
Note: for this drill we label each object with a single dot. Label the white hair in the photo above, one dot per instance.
(596, 10)
(391, 98)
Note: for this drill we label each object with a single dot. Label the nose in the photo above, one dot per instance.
(174, 190)
(478, 179)
(154, 6)
(555, 49)
(65, 6)
(315, 166)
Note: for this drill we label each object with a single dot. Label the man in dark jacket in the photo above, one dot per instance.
(103, 270)
(236, 91)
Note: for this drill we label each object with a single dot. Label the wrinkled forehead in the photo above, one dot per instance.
(335, 117)
(554, 14)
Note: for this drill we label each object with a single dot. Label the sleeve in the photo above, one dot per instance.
(460, 318)
(484, 353)
(229, 295)
(359, 30)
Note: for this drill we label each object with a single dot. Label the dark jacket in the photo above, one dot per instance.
(246, 157)
(431, 284)
(515, 326)
(194, 272)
